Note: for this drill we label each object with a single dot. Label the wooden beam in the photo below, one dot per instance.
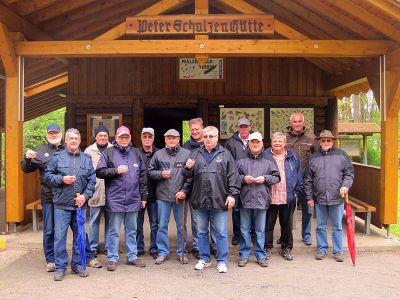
(366, 17)
(393, 92)
(388, 7)
(158, 8)
(46, 86)
(14, 180)
(201, 8)
(173, 48)
(7, 52)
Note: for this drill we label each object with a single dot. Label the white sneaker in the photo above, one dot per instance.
(222, 268)
(201, 264)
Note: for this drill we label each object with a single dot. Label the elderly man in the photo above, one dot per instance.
(37, 160)
(146, 152)
(124, 173)
(302, 141)
(257, 174)
(98, 201)
(238, 146)
(215, 184)
(328, 178)
(70, 172)
(166, 168)
(283, 194)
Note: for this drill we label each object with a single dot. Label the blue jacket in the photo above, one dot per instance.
(66, 163)
(293, 174)
(124, 192)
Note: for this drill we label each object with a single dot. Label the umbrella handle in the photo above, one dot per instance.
(346, 198)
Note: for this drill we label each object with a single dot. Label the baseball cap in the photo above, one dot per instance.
(148, 130)
(53, 127)
(255, 136)
(243, 121)
(122, 130)
(172, 132)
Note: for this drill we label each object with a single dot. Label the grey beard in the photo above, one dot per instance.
(55, 142)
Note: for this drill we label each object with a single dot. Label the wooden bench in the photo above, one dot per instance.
(362, 207)
(35, 206)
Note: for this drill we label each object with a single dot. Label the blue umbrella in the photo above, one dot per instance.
(81, 238)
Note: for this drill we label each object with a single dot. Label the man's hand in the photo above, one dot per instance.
(80, 200)
(190, 163)
(259, 179)
(248, 179)
(69, 179)
(143, 203)
(343, 191)
(310, 203)
(31, 154)
(230, 202)
(180, 195)
(166, 173)
(122, 169)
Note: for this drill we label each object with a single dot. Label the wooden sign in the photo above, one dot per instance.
(200, 24)
(189, 68)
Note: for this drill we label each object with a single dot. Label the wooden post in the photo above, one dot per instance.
(202, 110)
(365, 146)
(332, 119)
(138, 120)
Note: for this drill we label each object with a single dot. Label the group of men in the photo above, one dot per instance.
(258, 184)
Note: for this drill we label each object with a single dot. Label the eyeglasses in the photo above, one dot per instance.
(209, 137)
(326, 141)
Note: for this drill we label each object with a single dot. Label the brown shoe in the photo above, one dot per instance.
(137, 263)
(111, 266)
(338, 257)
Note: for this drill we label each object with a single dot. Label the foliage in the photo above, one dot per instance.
(185, 131)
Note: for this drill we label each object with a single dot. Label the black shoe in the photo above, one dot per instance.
(235, 240)
(59, 276)
(80, 272)
(140, 253)
(286, 254)
(154, 254)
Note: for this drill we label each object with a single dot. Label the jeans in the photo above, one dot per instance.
(48, 230)
(306, 217)
(94, 227)
(219, 221)
(252, 218)
(130, 226)
(236, 217)
(62, 220)
(285, 213)
(335, 213)
(153, 220)
(164, 212)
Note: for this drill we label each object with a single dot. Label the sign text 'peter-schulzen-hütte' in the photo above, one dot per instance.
(199, 24)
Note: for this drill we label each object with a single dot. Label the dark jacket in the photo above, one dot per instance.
(293, 174)
(151, 184)
(45, 154)
(66, 163)
(173, 160)
(124, 192)
(254, 195)
(191, 144)
(214, 182)
(326, 173)
(303, 144)
(236, 147)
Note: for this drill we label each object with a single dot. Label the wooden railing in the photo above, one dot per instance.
(366, 188)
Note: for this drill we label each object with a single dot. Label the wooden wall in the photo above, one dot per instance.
(110, 85)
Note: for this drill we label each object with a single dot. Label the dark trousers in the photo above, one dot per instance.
(285, 213)
(151, 208)
(236, 217)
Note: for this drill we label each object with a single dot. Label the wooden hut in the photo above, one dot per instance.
(89, 56)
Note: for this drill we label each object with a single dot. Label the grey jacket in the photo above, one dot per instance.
(257, 196)
(99, 195)
(173, 160)
(236, 147)
(326, 173)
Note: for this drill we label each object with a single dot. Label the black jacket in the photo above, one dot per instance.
(236, 147)
(151, 184)
(213, 182)
(191, 144)
(45, 154)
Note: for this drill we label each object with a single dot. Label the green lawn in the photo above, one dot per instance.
(395, 229)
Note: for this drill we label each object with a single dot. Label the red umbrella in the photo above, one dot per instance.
(350, 231)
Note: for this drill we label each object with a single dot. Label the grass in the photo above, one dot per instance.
(395, 229)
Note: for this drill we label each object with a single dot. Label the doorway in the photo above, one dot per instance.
(162, 119)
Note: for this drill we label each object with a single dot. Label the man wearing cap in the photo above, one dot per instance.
(302, 141)
(124, 173)
(37, 160)
(329, 176)
(238, 146)
(257, 174)
(98, 201)
(146, 152)
(213, 189)
(283, 195)
(70, 173)
(166, 168)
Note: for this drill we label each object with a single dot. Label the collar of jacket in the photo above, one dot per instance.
(59, 147)
(74, 154)
(174, 150)
(123, 150)
(95, 148)
(148, 153)
(325, 152)
(258, 156)
(291, 132)
(194, 143)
